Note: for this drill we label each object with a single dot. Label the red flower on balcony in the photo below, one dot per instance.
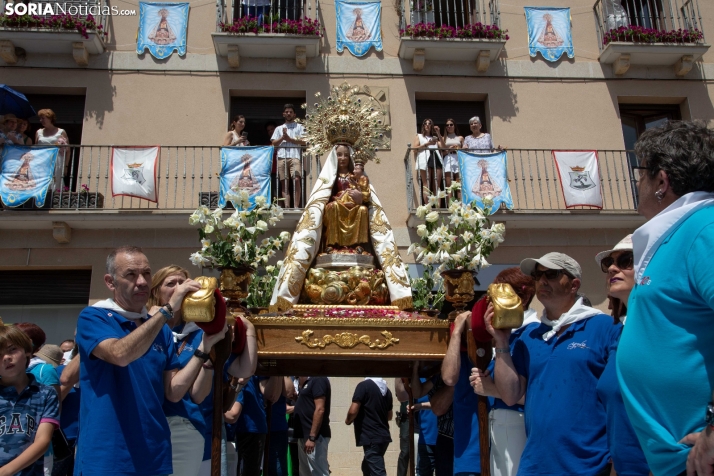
(81, 23)
(638, 34)
(475, 31)
(248, 24)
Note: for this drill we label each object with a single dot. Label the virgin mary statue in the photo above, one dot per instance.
(343, 213)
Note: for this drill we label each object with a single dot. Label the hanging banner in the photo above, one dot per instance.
(358, 26)
(162, 29)
(484, 175)
(549, 32)
(579, 177)
(133, 172)
(26, 173)
(245, 169)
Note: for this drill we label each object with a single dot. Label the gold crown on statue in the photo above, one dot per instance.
(343, 118)
(577, 168)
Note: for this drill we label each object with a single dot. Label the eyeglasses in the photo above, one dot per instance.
(550, 274)
(623, 261)
(449, 125)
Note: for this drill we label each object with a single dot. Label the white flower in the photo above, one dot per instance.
(431, 217)
(261, 200)
(467, 236)
(445, 246)
(454, 206)
(456, 220)
(265, 242)
(195, 218)
(199, 260)
(208, 229)
(499, 228)
(273, 221)
(285, 236)
(237, 250)
(421, 230)
(269, 269)
(441, 194)
(261, 225)
(250, 230)
(433, 200)
(429, 258)
(421, 211)
(279, 264)
(487, 201)
(205, 243)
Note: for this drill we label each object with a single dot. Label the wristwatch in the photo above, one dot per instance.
(710, 414)
(312, 438)
(202, 355)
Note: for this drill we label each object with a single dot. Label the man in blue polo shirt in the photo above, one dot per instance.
(128, 364)
(557, 366)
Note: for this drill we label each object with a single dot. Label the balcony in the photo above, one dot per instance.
(281, 29)
(186, 177)
(650, 33)
(451, 30)
(74, 27)
(537, 194)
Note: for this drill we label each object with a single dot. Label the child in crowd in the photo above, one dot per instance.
(29, 412)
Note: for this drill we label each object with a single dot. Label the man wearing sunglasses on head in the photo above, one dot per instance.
(557, 366)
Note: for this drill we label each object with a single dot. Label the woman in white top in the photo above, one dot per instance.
(452, 142)
(233, 137)
(478, 142)
(50, 134)
(428, 159)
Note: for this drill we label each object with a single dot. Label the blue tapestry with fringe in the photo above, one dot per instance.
(549, 32)
(162, 29)
(359, 26)
(485, 176)
(245, 171)
(26, 173)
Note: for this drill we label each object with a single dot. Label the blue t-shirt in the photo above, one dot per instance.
(277, 415)
(467, 452)
(69, 418)
(428, 429)
(124, 430)
(565, 421)
(665, 362)
(186, 407)
(44, 373)
(627, 456)
(252, 416)
(20, 416)
(497, 403)
(206, 407)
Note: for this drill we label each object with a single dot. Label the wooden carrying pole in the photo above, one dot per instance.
(410, 412)
(480, 356)
(223, 351)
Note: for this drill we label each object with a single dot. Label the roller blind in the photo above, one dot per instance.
(25, 287)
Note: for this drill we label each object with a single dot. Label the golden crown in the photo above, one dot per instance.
(577, 168)
(134, 165)
(342, 118)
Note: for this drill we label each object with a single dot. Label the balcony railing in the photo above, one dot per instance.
(270, 16)
(455, 13)
(186, 177)
(659, 15)
(534, 181)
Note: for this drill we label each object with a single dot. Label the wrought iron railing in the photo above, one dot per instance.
(657, 15)
(270, 14)
(532, 178)
(454, 13)
(186, 177)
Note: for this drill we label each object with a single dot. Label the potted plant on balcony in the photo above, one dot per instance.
(458, 242)
(81, 199)
(232, 245)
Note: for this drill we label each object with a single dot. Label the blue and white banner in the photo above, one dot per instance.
(484, 175)
(25, 173)
(549, 32)
(359, 26)
(245, 169)
(162, 29)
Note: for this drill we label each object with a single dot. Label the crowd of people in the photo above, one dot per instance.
(572, 391)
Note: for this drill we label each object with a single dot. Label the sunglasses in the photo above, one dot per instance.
(550, 274)
(624, 261)
(449, 125)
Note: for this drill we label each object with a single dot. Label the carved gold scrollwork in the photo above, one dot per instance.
(346, 340)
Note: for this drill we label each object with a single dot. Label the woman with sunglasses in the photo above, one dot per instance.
(625, 451)
(429, 163)
(452, 142)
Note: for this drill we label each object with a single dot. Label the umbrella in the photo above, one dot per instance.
(14, 102)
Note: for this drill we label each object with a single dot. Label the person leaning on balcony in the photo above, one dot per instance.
(625, 451)
(665, 360)
(477, 141)
(50, 134)
(429, 163)
(22, 125)
(128, 366)
(7, 130)
(287, 139)
(452, 142)
(233, 137)
(557, 365)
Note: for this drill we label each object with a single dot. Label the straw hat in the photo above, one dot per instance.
(624, 244)
(51, 354)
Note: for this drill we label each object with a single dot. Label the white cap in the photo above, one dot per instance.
(624, 244)
(552, 260)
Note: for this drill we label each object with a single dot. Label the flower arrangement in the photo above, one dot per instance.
(260, 289)
(423, 294)
(248, 24)
(84, 189)
(233, 242)
(475, 31)
(362, 314)
(461, 240)
(638, 34)
(82, 23)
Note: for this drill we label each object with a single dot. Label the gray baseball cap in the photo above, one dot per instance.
(552, 260)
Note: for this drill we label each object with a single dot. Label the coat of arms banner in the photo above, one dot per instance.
(245, 169)
(579, 177)
(133, 172)
(549, 32)
(484, 175)
(25, 173)
(358, 26)
(162, 29)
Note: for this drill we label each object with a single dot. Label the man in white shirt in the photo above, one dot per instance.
(287, 138)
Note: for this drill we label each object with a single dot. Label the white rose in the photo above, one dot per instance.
(261, 225)
(279, 264)
(270, 269)
(285, 236)
(431, 217)
(421, 211)
(421, 230)
(208, 229)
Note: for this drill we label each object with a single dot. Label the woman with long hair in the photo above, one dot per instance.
(453, 141)
(429, 163)
(235, 137)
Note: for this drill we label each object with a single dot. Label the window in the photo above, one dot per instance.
(69, 109)
(259, 111)
(459, 111)
(645, 13)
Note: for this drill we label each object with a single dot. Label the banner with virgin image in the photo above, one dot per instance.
(549, 32)
(358, 26)
(162, 29)
(245, 169)
(25, 173)
(484, 176)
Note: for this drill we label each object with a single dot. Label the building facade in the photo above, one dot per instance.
(106, 94)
